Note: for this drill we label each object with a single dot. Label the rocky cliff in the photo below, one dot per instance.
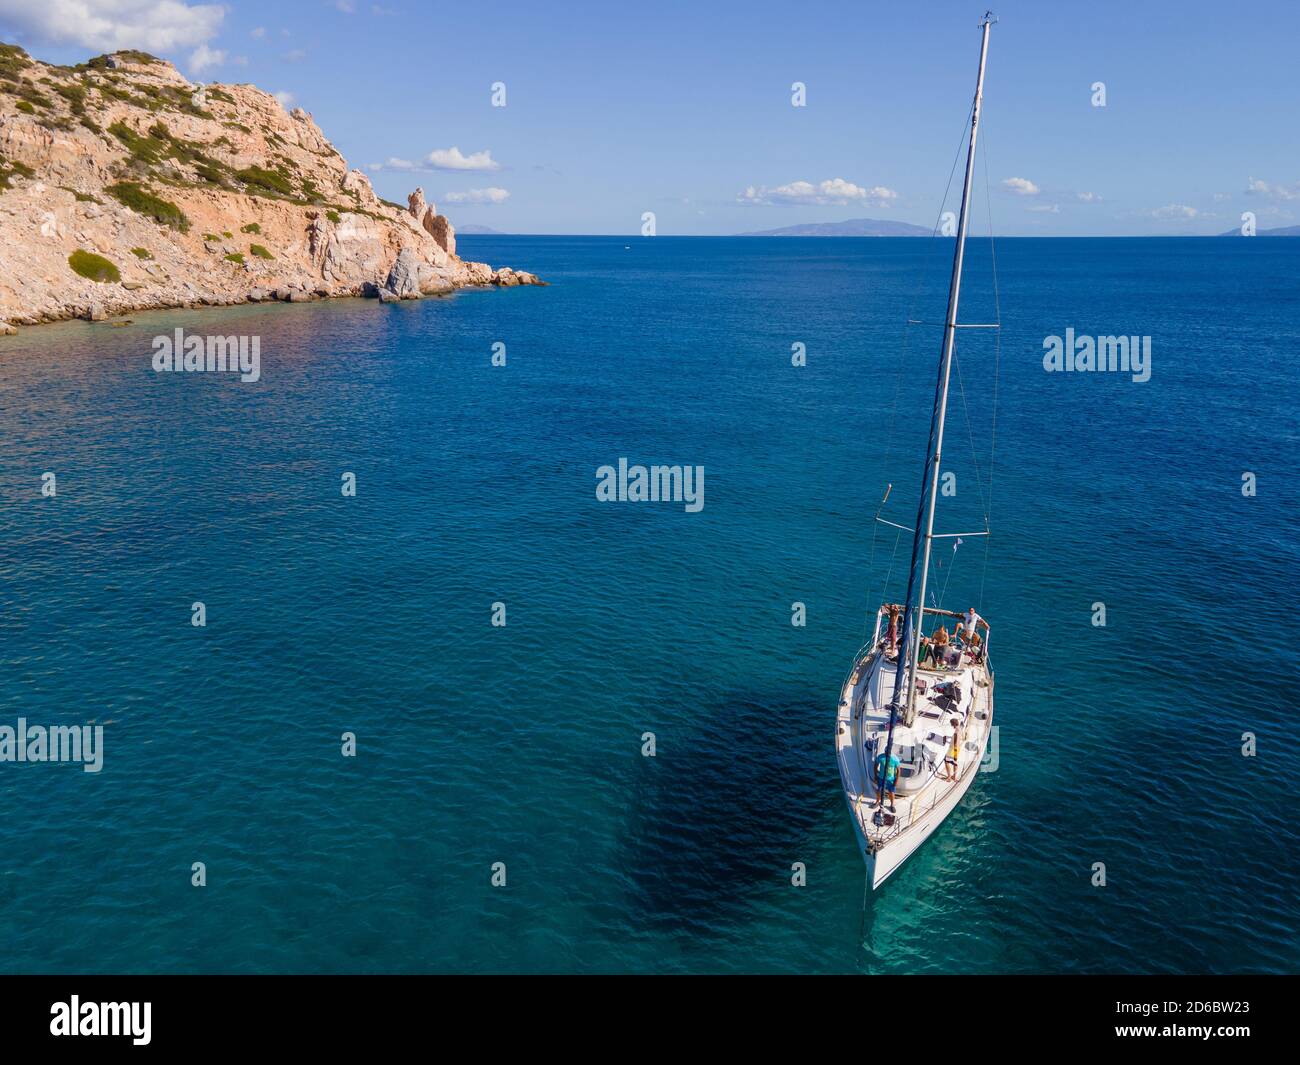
(124, 186)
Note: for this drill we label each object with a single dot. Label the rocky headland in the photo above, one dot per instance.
(124, 187)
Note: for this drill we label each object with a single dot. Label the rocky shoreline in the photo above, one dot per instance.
(125, 187)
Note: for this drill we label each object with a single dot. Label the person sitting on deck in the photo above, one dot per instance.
(886, 781)
(940, 645)
(924, 651)
(960, 645)
(954, 749)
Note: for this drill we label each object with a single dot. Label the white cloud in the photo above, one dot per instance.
(1176, 211)
(295, 55)
(1088, 197)
(452, 159)
(257, 31)
(1046, 208)
(110, 25)
(346, 6)
(835, 191)
(1020, 186)
(442, 159)
(393, 163)
(203, 57)
(1255, 187)
(488, 195)
(286, 98)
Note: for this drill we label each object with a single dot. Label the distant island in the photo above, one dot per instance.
(472, 230)
(853, 227)
(125, 186)
(1280, 231)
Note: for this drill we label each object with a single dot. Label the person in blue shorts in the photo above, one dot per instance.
(886, 780)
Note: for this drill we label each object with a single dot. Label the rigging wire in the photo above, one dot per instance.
(952, 565)
(902, 363)
(934, 232)
(997, 367)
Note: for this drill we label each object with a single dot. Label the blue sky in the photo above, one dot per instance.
(685, 109)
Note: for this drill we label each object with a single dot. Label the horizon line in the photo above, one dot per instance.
(969, 237)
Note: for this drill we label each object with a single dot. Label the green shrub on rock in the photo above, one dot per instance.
(142, 201)
(92, 266)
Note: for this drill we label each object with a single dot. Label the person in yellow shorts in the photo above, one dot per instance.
(954, 749)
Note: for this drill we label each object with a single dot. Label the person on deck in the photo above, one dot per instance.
(940, 645)
(956, 645)
(891, 636)
(886, 779)
(973, 638)
(954, 749)
(924, 650)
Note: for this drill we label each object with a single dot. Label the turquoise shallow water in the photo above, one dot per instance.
(522, 744)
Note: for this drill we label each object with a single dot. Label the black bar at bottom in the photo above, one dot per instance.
(340, 1013)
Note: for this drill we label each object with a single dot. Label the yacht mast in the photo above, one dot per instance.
(914, 611)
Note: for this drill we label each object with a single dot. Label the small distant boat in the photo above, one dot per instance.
(914, 717)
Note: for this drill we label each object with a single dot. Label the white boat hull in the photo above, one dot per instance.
(887, 840)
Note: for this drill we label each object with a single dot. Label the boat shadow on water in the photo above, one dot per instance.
(721, 812)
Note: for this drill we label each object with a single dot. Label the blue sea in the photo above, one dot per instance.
(519, 747)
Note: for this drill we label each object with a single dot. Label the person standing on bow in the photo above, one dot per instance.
(891, 636)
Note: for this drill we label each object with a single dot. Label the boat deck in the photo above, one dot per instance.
(921, 748)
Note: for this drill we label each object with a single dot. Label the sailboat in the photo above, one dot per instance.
(916, 710)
